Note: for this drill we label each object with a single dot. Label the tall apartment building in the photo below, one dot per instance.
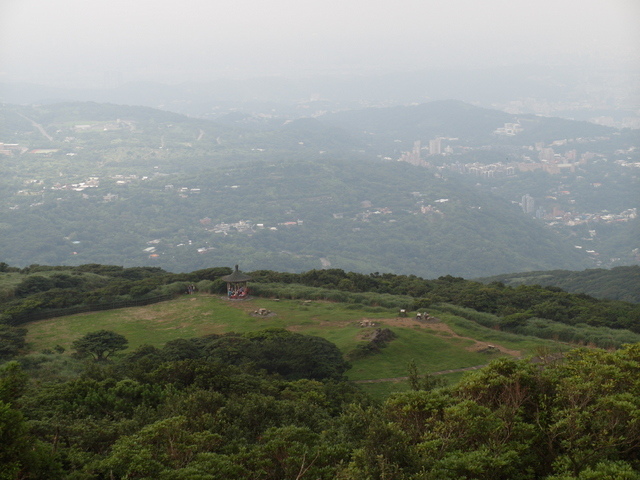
(528, 204)
(547, 154)
(435, 146)
(413, 157)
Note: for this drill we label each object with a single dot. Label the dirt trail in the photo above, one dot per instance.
(439, 326)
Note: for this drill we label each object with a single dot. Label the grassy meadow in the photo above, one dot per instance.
(447, 344)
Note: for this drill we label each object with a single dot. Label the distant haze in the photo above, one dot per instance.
(108, 43)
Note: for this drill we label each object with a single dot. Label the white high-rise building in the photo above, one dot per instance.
(435, 146)
(528, 204)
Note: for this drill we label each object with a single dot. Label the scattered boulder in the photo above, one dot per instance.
(489, 349)
(366, 323)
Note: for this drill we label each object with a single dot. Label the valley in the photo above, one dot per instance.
(299, 194)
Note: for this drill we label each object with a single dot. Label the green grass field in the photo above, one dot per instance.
(452, 343)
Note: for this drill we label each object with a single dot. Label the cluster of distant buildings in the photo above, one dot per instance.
(9, 149)
(243, 226)
(509, 129)
(547, 159)
(240, 227)
(559, 216)
(414, 157)
(91, 182)
(543, 157)
(105, 126)
(571, 219)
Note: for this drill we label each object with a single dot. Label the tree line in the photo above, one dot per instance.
(513, 304)
(618, 283)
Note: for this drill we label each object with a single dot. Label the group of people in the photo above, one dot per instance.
(239, 293)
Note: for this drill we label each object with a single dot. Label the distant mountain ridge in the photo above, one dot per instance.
(479, 86)
(453, 118)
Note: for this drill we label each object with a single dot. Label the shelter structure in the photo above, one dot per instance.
(237, 284)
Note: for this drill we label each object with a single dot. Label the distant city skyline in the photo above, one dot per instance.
(97, 44)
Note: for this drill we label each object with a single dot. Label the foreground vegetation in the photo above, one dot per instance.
(233, 407)
(198, 387)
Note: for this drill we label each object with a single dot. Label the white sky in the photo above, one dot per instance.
(82, 42)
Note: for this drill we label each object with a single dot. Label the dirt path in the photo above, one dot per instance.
(439, 326)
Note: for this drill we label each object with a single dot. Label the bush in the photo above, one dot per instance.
(176, 288)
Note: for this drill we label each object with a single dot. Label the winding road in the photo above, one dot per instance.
(38, 126)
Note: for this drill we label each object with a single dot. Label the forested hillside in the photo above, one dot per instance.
(618, 283)
(90, 183)
(450, 118)
(198, 409)
(295, 216)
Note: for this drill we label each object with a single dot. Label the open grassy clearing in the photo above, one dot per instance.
(526, 345)
(197, 315)
(430, 351)
(451, 343)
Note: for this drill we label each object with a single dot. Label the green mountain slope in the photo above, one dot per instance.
(123, 185)
(619, 283)
(451, 118)
(358, 215)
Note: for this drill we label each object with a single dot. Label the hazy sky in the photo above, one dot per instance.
(91, 42)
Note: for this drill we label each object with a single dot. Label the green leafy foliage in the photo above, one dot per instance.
(511, 420)
(618, 283)
(49, 291)
(204, 408)
(12, 340)
(277, 351)
(101, 344)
